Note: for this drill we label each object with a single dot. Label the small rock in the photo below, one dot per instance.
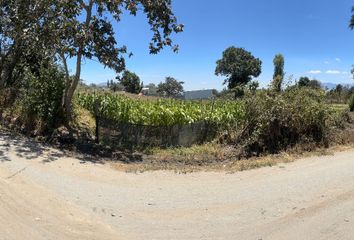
(113, 215)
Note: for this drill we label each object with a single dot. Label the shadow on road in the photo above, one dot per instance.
(30, 149)
(25, 148)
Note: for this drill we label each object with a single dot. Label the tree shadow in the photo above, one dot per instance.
(95, 153)
(25, 148)
(3, 157)
(86, 151)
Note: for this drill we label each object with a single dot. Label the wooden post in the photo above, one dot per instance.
(96, 110)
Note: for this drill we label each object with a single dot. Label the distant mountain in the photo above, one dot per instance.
(104, 84)
(329, 85)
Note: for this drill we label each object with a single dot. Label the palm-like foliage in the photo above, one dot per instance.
(351, 25)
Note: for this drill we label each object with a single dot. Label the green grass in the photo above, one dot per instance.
(339, 107)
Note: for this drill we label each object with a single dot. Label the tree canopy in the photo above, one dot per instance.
(131, 82)
(278, 76)
(170, 88)
(303, 82)
(238, 66)
(77, 29)
(351, 24)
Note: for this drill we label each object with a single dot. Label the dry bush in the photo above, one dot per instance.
(276, 122)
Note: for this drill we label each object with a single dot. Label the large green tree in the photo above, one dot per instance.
(25, 39)
(131, 82)
(238, 66)
(94, 36)
(278, 76)
(303, 82)
(76, 30)
(170, 88)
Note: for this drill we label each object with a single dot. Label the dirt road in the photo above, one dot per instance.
(46, 195)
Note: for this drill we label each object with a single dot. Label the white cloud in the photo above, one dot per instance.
(326, 62)
(345, 73)
(338, 59)
(333, 72)
(315, 72)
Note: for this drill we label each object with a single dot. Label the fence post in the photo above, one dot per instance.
(96, 111)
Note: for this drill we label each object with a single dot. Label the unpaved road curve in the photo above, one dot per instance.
(46, 195)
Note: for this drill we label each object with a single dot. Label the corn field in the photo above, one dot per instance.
(161, 112)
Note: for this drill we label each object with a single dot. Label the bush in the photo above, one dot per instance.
(275, 121)
(42, 96)
(351, 103)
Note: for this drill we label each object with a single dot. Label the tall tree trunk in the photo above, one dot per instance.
(67, 78)
(9, 62)
(73, 85)
(7, 71)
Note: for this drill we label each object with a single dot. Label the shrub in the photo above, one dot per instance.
(275, 122)
(351, 103)
(42, 96)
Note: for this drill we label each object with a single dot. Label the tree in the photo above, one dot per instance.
(131, 82)
(152, 89)
(76, 30)
(114, 86)
(303, 82)
(315, 84)
(253, 86)
(238, 66)
(170, 88)
(278, 76)
(351, 24)
(24, 38)
(339, 90)
(94, 36)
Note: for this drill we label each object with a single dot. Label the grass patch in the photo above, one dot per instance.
(339, 107)
(84, 120)
(212, 150)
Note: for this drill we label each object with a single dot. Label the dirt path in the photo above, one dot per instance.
(46, 195)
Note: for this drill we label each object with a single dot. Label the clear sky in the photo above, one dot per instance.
(313, 36)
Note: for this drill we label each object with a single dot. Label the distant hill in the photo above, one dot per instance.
(104, 84)
(330, 85)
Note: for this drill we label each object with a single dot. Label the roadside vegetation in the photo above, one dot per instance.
(38, 95)
(161, 112)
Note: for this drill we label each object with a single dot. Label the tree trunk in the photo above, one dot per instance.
(69, 93)
(67, 81)
(7, 72)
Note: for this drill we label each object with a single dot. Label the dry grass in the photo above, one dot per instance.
(84, 120)
(216, 158)
(339, 107)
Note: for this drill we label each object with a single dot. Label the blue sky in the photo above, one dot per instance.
(313, 36)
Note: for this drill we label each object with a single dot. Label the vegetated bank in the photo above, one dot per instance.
(262, 122)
